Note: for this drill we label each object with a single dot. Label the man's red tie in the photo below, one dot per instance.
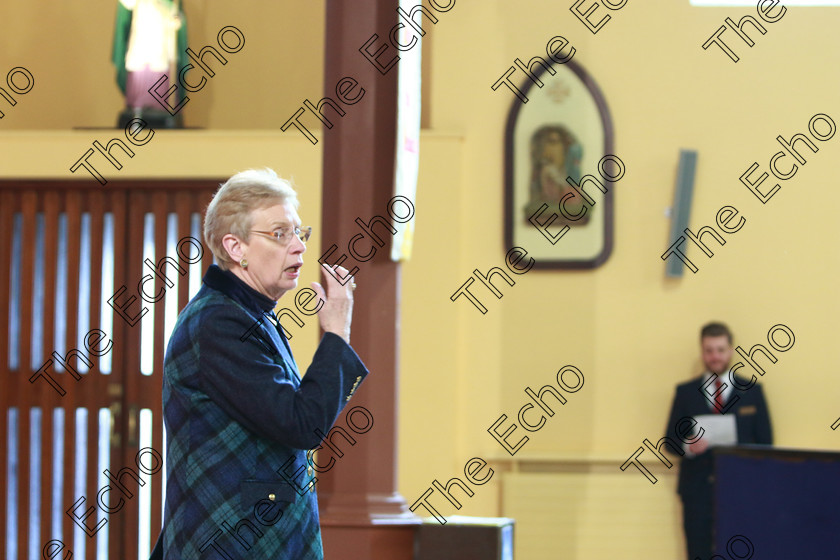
(718, 396)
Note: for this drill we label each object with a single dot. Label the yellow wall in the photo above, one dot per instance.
(632, 333)
(630, 330)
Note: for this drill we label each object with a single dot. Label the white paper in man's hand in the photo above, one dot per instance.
(718, 430)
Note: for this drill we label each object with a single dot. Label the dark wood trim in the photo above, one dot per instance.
(126, 184)
(787, 454)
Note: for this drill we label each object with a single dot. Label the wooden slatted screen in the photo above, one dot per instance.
(69, 248)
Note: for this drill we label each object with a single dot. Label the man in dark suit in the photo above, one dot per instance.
(715, 391)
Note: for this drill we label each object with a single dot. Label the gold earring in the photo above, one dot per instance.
(243, 263)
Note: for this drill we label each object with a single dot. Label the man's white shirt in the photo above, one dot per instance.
(708, 390)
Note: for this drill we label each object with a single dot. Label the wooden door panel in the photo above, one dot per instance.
(79, 380)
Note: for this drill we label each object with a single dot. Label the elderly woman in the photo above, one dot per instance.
(239, 417)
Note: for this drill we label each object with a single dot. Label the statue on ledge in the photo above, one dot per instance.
(150, 39)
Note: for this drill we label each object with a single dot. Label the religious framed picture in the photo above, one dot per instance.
(560, 170)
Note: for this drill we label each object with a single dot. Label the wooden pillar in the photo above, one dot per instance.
(362, 514)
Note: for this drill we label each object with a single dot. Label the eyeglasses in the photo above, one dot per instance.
(284, 235)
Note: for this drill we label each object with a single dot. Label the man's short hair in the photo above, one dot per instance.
(716, 329)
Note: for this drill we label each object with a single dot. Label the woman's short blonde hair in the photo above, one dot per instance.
(232, 205)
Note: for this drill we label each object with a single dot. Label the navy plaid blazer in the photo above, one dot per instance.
(239, 420)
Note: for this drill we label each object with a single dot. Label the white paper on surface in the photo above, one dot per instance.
(719, 429)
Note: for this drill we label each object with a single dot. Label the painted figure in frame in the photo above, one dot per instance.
(555, 155)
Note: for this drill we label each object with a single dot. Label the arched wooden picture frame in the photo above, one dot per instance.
(562, 131)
